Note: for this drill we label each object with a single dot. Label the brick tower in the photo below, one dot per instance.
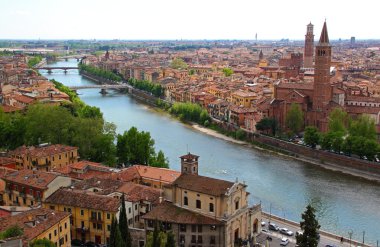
(189, 164)
(309, 47)
(322, 87)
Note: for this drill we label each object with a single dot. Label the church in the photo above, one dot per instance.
(319, 98)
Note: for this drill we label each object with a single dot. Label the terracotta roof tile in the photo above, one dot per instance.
(206, 185)
(38, 216)
(84, 199)
(36, 179)
(137, 192)
(168, 212)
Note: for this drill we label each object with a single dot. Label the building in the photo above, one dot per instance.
(44, 157)
(39, 224)
(85, 169)
(91, 213)
(29, 188)
(205, 211)
(243, 98)
(309, 47)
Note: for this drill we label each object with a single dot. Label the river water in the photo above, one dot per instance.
(282, 185)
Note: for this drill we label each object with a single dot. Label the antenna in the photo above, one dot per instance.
(187, 148)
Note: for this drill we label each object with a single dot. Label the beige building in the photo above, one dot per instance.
(243, 98)
(29, 188)
(204, 210)
(44, 157)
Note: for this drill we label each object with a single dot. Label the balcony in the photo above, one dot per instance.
(96, 220)
(82, 230)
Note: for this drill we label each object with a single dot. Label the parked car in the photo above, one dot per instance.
(286, 231)
(284, 241)
(273, 227)
(262, 223)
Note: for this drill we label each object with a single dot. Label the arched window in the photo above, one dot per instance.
(185, 201)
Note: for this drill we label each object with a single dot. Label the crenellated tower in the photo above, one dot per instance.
(309, 46)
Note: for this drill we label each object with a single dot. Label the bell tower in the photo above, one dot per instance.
(309, 47)
(189, 164)
(322, 87)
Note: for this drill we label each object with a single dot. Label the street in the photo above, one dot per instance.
(276, 236)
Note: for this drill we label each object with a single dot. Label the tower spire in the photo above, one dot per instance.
(324, 39)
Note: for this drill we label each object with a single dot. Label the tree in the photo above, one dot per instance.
(294, 118)
(363, 126)
(123, 224)
(160, 160)
(42, 243)
(13, 231)
(178, 63)
(170, 242)
(267, 124)
(135, 147)
(338, 120)
(310, 227)
(115, 236)
(156, 239)
(227, 72)
(311, 136)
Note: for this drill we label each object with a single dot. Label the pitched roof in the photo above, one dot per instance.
(206, 185)
(42, 151)
(105, 185)
(36, 179)
(44, 219)
(84, 199)
(137, 192)
(189, 156)
(168, 212)
(324, 39)
(156, 173)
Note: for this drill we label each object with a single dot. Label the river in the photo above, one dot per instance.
(282, 185)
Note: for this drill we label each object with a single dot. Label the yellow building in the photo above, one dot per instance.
(91, 213)
(39, 224)
(28, 188)
(44, 157)
(243, 98)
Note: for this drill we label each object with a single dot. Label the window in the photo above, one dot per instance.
(136, 207)
(130, 222)
(49, 236)
(65, 225)
(182, 239)
(100, 227)
(94, 225)
(199, 204)
(66, 237)
(182, 228)
(150, 223)
(99, 216)
(199, 239)
(61, 241)
(212, 239)
(237, 205)
(193, 228)
(129, 210)
(60, 228)
(109, 228)
(55, 232)
(108, 216)
(185, 201)
(193, 238)
(82, 212)
(211, 207)
(200, 228)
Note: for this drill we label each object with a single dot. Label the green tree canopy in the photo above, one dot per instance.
(312, 136)
(227, 71)
(13, 231)
(190, 112)
(363, 126)
(267, 124)
(294, 118)
(42, 243)
(178, 63)
(338, 120)
(310, 227)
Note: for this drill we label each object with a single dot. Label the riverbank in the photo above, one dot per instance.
(258, 144)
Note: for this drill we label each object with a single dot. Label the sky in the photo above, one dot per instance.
(187, 19)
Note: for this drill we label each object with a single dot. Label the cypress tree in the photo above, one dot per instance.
(113, 232)
(123, 224)
(310, 227)
(156, 237)
(170, 242)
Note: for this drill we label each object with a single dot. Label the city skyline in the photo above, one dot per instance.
(170, 20)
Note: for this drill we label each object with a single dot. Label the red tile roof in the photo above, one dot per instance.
(84, 199)
(42, 151)
(206, 185)
(137, 192)
(43, 218)
(36, 179)
(168, 212)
